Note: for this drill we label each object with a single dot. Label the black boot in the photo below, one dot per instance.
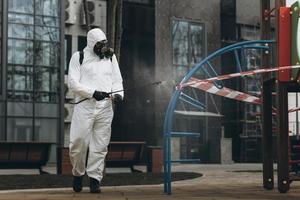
(94, 186)
(77, 183)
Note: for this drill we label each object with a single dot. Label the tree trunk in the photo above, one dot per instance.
(118, 29)
(114, 25)
(87, 16)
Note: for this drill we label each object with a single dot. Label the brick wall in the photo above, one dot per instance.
(66, 164)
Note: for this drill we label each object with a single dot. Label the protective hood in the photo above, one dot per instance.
(93, 36)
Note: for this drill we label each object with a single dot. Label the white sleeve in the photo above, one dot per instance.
(117, 81)
(74, 79)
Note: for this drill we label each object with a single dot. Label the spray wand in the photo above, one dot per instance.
(125, 90)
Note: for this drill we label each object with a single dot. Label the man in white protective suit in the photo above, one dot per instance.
(93, 74)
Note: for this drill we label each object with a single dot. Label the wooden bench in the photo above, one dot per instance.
(24, 155)
(124, 154)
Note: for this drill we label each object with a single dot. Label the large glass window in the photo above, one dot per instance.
(47, 7)
(45, 129)
(19, 109)
(21, 6)
(2, 121)
(81, 43)
(2, 105)
(47, 54)
(188, 41)
(180, 42)
(68, 51)
(1, 68)
(26, 33)
(33, 49)
(20, 51)
(188, 48)
(33, 70)
(19, 129)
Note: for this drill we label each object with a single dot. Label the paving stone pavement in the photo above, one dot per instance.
(220, 182)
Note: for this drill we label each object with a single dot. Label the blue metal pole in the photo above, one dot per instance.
(174, 99)
(193, 100)
(219, 52)
(191, 103)
(238, 62)
(165, 163)
(167, 140)
(173, 103)
(166, 148)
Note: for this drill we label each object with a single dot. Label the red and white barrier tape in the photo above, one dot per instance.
(240, 74)
(225, 92)
(294, 109)
(207, 85)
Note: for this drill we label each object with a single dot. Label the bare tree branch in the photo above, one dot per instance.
(87, 16)
(114, 25)
(119, 30)
(111, 18)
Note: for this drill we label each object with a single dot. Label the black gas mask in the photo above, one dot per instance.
(102, 50)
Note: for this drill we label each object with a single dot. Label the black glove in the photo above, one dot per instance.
(100, 95)
(117, 98)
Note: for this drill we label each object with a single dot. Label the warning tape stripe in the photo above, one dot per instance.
(208, 86)
(240, 74)
(294, 109)
(225, 92)
(290, 110)
(231, 94)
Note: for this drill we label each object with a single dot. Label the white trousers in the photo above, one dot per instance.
(90, 129)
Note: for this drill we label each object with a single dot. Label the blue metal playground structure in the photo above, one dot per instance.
(205, 67)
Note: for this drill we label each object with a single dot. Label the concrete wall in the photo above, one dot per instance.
(220, 150)
(146, 56)
(207, 12)
(134, 117)
(248, 12)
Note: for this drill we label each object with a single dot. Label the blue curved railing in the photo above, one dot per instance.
(168, 134)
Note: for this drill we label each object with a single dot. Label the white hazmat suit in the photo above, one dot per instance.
(91, 121)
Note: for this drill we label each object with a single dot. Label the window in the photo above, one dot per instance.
(68, 51)
(25, 6)
(19, 129)
(81, 43)
(47, 7)
(33, 55)
(248, 32)
(188, 42)
(2, 105)
(1, 73)
(33, 83)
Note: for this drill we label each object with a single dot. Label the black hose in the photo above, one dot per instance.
(74, 103)
(154, 83)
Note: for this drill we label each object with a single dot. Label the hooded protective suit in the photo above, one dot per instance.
(91, 121)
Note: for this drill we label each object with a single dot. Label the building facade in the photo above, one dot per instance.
(161, 41)
(31, 73)
(75, 31)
